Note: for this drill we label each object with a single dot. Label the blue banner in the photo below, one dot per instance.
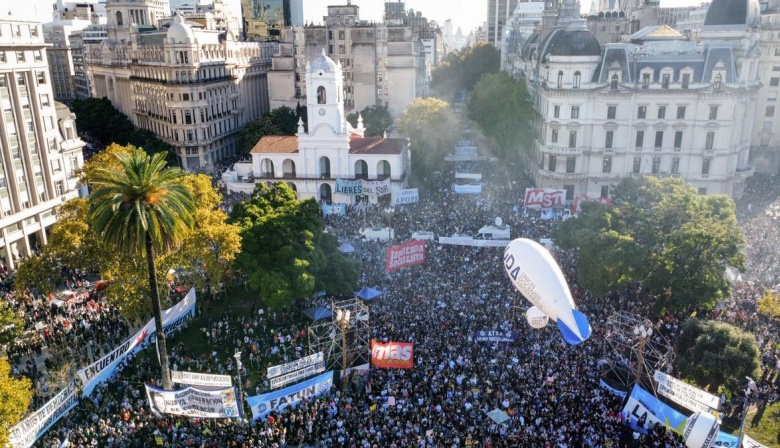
(642, 402)
(277, 400)
(495, 336)
(334, 209)
(466, 189)
(619, 393)
(349, 187)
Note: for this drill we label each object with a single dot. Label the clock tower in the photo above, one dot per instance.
(324, 91)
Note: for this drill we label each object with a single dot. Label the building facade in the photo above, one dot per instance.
(659, 106)
(193, 87)
(40, 148)
(498, 13)
(310, 162)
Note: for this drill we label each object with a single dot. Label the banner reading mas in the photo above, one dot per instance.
(393, 355)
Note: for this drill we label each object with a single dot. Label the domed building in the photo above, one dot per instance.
(659, 105)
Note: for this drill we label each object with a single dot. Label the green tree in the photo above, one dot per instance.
(143, 208)
(659, 232)
(714, 354)
(253, 131)
(461, 70)
(433, 130)
(283, 249)
(769, 304)
(376, 120)
(285, 119)
(499, 105)
(15, 394)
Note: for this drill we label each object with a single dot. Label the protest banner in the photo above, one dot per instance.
(543, 198)
(684, 394)
(407, 254)
(495, 336)
(392, 355)
(349, 187)
(193, 402)
(408, 196)
(201, 379)
(277, 400)
(292, 366)
(297, 375)
(30, 429)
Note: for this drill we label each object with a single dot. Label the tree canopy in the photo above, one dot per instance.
(376, 120)
(280, 121)
(433, 130)
(15, 394)
(461, 70)
(209, 249)
(284, 252)
(499, 105)
(714, 354)
(659, 232)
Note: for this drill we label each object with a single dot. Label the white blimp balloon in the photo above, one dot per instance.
(701, 430)
(536, 318)
(534, 272)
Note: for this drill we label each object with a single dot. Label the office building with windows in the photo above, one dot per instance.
(39, 147)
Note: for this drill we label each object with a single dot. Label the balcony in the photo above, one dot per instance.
(559, 149)
(561, 176)
(745, 172)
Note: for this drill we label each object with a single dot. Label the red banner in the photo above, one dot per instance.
(393, 355)
(406, 254)
(543, 197)
(577, 206)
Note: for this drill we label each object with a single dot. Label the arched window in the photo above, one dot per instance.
(717, 84)
(361, 169)
(383, 170)
(577, 79)
(267, 168)
(119, 18)
(288, 169)
(324, 167)
(560, 79)
(325, 193)
(614, 82)
(321, 98)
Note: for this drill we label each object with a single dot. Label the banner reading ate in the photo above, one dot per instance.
(404, 255)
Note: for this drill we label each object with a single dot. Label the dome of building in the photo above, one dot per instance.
(323, 63)
(179, 32)
(576, 40)
(733, 14)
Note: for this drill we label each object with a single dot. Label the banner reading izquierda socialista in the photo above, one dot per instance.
(194, 402)
(262, 405)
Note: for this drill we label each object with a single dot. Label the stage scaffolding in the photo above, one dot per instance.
(326, 336)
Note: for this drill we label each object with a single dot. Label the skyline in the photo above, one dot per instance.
(462, 12)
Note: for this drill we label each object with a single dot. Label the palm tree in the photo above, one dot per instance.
(140, 207)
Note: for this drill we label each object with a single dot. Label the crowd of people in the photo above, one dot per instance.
(549, 389)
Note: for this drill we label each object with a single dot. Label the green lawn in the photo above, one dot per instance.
(764, 426)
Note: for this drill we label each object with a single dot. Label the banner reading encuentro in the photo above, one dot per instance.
(194, 402)
(403, 255)
(392, 355)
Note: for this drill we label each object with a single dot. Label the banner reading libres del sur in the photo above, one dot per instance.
(359, 187)
(105, 368)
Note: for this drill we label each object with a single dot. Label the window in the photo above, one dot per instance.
(341, 35)
(56, 167)
(2, 56)
(613, 84)
(645, 80)
(341, 49)
(713, 112)
(605, 191)
(560, 79)
(719, 81)
(330, 35)
(37, 55)
(19, 56)
(556, 111)
(569, 192)
(641, 112)
(321, 95)
(705, 167)
(661, 112)
(774, 82)
(554, 137)
(665, 81)
(611, 112)
(59, 188)
(686, 80)
(675, 165)
(187, 117)
(637, 165)
(680, 112)
(575, 111)
(34, 31)
(577, 79)
(678, 136)
(571, 164)
(708, 144)
(572, 139)
(659, 139)
(606, 164)
(551, 163)
(640, 139)
(771, 96)
(44, 100)
(770, 111)
(656, 165)
(608, 139)
(702, 191)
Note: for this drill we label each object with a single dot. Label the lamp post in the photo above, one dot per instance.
(389, 212)
(237, 355)
(342, 320)
(642, 333)
(751, 387)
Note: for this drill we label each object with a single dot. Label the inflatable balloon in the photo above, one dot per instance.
(701, 430)
(536, 318)
(534, 272)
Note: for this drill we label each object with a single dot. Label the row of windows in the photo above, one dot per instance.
(21, 56)
(658, 144)
(665, 80)
(606, 165)
(16, 30)
(641, 112)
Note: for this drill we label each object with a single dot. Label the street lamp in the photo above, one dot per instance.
(237, 355)
(342, 320)
(642, 333)
(749, 390)
(389, 212)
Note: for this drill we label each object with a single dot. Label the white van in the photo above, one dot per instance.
(493, 233)
(377, 234)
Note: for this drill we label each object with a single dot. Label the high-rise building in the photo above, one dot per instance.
(766, 127)
(91, 35)
(498, 12)
(60, 52)
(39, 148)
(192, 86)
(265, 19)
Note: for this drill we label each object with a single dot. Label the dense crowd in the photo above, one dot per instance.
(548, 388)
